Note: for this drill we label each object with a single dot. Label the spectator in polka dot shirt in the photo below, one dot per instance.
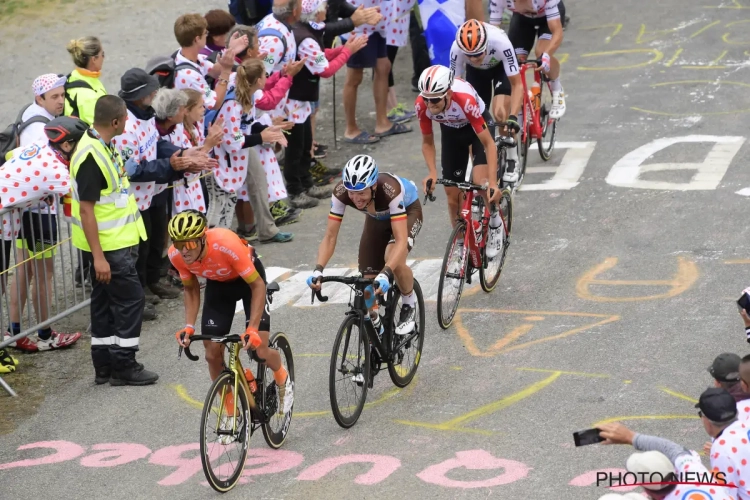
(730, 451)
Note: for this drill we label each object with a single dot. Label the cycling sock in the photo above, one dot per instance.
(15, 328)
(512, 154)
(495, 220)
(555, 85)
(408, 300)
(280, 376)
(44, 333)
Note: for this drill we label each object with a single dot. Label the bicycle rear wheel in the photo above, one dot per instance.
(222, 467)
(546, 143)
(407, 349)
(349, 372)
(277, 425)
(452, 276)
(489, 273)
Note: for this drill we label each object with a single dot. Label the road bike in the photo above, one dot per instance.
(237, 404)
(466, 250)
(354, 372)
(535, 120)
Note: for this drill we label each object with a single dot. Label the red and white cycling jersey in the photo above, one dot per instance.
(539, 8)
(466, 107)
(499, 50)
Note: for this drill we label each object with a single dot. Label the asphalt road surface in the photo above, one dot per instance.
(629, 248)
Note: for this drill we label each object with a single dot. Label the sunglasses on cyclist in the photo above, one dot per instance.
(354, 187)
(186, 245)
(474, 56)
(434, 100)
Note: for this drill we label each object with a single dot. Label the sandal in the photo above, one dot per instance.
(397, 128)
(362, 138)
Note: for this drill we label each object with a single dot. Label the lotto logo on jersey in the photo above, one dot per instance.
(472, 108)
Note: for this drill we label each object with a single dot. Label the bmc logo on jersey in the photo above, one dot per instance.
(472, 108)
(511, 58)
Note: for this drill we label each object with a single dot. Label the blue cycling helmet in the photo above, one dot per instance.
(360, 173)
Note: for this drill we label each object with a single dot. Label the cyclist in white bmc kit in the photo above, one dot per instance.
(488, 57)
(543, 18)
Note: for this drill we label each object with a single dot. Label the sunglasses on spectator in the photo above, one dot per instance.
(189, 245)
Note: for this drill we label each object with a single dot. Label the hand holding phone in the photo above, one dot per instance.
(587, 437)
(744, 301)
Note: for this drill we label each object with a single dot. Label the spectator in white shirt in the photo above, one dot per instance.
(49, 102)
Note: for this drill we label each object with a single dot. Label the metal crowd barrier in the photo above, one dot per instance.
(52, 268)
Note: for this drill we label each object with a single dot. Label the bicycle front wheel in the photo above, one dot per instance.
(489, 274)
(524, 143)
(225, 433)
(546, 143)
(349, 373)
(452, 276)
(276, 427)
(407, 349)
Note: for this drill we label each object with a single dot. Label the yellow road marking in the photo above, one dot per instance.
(580, 374)
(657, 56)
(685, 277)
(609, 38)
(704, 29)
(183, 394)
(502, 345)
(674, 57)
(679, 395)
(737, 261)
(456, 424)
(694, 113)
(737, 5)
(645, 417)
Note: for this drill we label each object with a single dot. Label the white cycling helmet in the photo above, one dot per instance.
(435, 80)
(360, 173)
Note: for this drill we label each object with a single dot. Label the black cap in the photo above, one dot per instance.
(726, 367)
(136, 84)
(717, 405)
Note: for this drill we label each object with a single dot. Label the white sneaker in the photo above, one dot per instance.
(558, 105)
(286, 397)
(495, 243)
(511, 174)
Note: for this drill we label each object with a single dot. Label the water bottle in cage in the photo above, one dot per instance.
(377, 323)
(476, 217)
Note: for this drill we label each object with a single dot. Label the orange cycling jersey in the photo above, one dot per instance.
(227, 258)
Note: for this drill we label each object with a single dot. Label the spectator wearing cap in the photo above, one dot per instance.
(726, 373)
(319, 63)
(661, 460)
(49, 102)
(219, 22)
(151, 164)
(84, 84)
(730, 451)
(37, 171)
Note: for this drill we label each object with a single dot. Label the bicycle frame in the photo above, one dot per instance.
(533, 125)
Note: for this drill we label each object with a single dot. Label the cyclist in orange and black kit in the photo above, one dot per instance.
(233, 272)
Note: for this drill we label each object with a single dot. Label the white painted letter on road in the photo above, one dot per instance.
(568, 173)
(626, 172)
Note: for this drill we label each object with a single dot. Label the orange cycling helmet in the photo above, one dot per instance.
(471, 37)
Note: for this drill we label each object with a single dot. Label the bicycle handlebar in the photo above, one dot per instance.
(345, 280)
(429, 193)
(465, 186)
(222, 340)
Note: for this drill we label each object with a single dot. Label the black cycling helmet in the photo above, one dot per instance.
(65, 129)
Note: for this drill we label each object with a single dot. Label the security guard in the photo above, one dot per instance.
(107, 227)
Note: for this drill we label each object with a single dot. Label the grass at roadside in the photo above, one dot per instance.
(13, 8)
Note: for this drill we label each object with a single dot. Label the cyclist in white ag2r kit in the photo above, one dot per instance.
(543, 18)
(488, 57)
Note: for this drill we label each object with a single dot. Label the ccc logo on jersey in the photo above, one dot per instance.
(30, 152)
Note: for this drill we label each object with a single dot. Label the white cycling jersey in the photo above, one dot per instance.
(499, 50)
(539, 8)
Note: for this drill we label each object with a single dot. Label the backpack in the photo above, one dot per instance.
(164, 68)
(249, 12)
(78, 84)
(212, 114)
(9, 138)
(277, 34)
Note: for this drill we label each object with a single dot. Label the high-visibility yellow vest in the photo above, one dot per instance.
(119, 226)
(81, 95)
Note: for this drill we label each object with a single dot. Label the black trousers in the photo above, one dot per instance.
(149, 261)
(297, 158)
(420, 57)
(116, 311)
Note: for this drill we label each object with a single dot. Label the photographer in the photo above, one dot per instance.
(664, 458)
